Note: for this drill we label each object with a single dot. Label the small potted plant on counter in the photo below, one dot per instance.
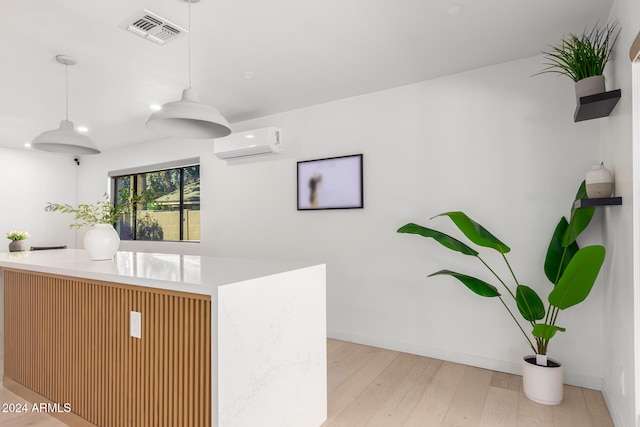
(18, 238)
(583, 58)
(571, 270)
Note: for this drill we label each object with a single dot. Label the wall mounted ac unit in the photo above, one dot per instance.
(250, 143)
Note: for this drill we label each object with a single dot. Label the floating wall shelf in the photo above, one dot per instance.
(596, 106)
(604, 201)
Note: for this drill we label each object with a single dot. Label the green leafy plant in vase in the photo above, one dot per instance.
(571, 270)
(17, 240)
(102, 240)
(100, 212)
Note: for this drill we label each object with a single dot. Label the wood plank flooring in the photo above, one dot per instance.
(372, 387)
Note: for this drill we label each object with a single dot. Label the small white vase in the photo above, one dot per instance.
(599, 182)
(542, 384)
(101, 242)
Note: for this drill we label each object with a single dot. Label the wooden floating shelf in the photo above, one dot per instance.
(596, 106)
(604, 201)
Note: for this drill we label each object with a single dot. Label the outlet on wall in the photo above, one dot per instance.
(135, 324)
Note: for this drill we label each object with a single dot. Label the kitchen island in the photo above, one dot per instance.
(153, 339)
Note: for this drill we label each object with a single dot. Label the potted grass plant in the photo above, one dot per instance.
(571, 271)
(583, 58)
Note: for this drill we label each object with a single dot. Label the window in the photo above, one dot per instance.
(169, 206)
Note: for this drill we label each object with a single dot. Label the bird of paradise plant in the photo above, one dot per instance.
(571, 270)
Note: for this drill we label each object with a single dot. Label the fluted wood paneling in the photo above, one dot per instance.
(67, 339)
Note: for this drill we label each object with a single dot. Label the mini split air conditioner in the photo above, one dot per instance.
(250, 143)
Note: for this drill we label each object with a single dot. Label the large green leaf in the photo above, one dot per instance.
(529, 303)
(542, 330)
(475, 232)
(555, 252)
(578, 278)
(580, 218)
(443, 239)
(582, 191)
(581, 194)
(477, 286)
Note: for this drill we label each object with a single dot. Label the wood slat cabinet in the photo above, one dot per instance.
(68, 341)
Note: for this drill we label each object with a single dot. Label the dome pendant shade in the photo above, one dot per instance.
(189, 118)
(65, 140)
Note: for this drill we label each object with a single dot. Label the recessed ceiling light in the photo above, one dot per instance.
(250, 136)
(27, 144)
(155, 107)
(248, 75)
(454, 9)
(82, 129)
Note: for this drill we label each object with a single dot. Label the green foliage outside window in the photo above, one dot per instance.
(171, 210)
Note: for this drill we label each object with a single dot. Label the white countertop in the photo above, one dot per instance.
(185, 273)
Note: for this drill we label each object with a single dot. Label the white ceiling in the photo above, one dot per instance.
(302, 53)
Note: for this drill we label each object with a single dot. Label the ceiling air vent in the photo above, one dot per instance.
(147, 24)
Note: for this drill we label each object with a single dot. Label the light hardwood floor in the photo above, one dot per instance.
(372, 387)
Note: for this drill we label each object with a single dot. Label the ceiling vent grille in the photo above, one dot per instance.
(147, 24)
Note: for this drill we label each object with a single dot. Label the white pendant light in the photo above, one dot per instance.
(65, 139)
(188, 117)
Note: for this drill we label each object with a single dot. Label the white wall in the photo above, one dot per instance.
(29, 180)
(617, 152)
(494, 142)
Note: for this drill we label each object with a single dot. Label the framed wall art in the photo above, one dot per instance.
(332, 183)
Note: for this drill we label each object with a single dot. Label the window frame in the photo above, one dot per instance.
(152, 168)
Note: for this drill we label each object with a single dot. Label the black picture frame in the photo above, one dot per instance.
(330, 183)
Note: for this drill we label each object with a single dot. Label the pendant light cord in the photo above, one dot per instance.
(189, 44)
(66, 76)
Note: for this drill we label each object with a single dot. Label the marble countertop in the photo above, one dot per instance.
(185, 273)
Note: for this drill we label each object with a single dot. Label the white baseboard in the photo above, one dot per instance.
(613, 410)
(465, 359)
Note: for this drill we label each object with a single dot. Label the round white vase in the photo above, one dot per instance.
(101, 242)
(599, 182)
(542, 384)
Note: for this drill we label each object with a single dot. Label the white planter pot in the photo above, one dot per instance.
(599, 182)
(17, 246)
(101, 242)
(589, 86)
(542, 384)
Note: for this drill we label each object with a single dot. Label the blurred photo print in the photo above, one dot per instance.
(332, 183)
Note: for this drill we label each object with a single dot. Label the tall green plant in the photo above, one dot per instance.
(571, 270)
(583, 56)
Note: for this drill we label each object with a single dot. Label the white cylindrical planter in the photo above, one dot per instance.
(599, 182)
(101, 242)
(589, 86)
(542, 384)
